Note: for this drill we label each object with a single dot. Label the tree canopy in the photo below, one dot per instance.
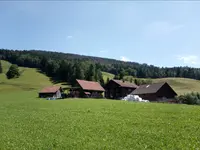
(13, 72)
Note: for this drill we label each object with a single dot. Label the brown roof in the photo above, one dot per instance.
(50, 89)
(148, 88)
(125, 84)
(90, 85)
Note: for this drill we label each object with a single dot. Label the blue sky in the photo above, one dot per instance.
(158, 33)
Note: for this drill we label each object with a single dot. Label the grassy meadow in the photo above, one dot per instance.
(27, 122)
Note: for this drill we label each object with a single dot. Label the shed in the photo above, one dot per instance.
(51, 91)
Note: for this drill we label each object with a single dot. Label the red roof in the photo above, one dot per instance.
(125, 84)
(51, 89)
(90, 85)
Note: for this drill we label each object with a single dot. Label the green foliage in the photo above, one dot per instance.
(31, 123)
(13, 72)
(1, 69)
(107, 80)
(51, 64)
(190, 98)
(90, 76)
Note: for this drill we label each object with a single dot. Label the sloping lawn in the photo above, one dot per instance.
(28, 122)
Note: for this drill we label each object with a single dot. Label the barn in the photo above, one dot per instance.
(87, 89)
(51, 91)
(117, 89)
(155, 92)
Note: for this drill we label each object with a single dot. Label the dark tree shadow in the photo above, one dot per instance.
(54, 80)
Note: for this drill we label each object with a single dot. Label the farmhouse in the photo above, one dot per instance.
(116, 89)
(87, 89)
(52, 91)
(155, 92)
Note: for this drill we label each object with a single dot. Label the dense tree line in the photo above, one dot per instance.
(68, 67)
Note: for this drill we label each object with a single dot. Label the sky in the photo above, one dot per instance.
(162, 33)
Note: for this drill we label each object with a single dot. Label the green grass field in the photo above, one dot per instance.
(107, 75)
(27, 122)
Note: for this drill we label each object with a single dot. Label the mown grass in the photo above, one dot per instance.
(107, 75)
(28, 122)
(30, 79)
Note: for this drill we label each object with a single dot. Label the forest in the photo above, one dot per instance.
(68, 67)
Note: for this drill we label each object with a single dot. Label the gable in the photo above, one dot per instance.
(167, 90)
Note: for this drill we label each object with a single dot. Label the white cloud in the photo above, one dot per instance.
(190, 59)
(159, 28)
(69, 37)
(123, 58)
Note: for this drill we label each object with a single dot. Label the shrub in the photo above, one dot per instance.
(190, 98)
(13, 72)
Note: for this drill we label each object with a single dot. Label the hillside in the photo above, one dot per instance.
(62, 66)
(30, 79)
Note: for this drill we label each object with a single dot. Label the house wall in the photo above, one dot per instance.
(166, 91)
(58, 94)
(150, 97)
(114, 91)
(45, 95)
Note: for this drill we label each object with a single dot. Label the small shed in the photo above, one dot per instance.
(117, 89)
(87, 89)
(51, 91)
(155, 92)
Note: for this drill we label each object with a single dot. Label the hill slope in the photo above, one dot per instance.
(30, 79)
(181, 85)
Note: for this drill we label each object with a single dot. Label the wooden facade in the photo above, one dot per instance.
(87, 89)
(155, 92)
(51, 92)
(116, 89)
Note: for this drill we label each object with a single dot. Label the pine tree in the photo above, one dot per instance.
(91, 73)
(107, 80)
(1, 70)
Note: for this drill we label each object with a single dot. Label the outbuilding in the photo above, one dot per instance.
(87, 89)
(155, 92)
(117, 89)
(51, 91)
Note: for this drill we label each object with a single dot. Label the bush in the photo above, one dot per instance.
(190, 98)
(13, 72)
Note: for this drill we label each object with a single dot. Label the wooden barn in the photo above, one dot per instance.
(155, 92)
(51, 91)
(117, 89)
(87, 89)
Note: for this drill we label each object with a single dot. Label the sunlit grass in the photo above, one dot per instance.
(28, 122)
